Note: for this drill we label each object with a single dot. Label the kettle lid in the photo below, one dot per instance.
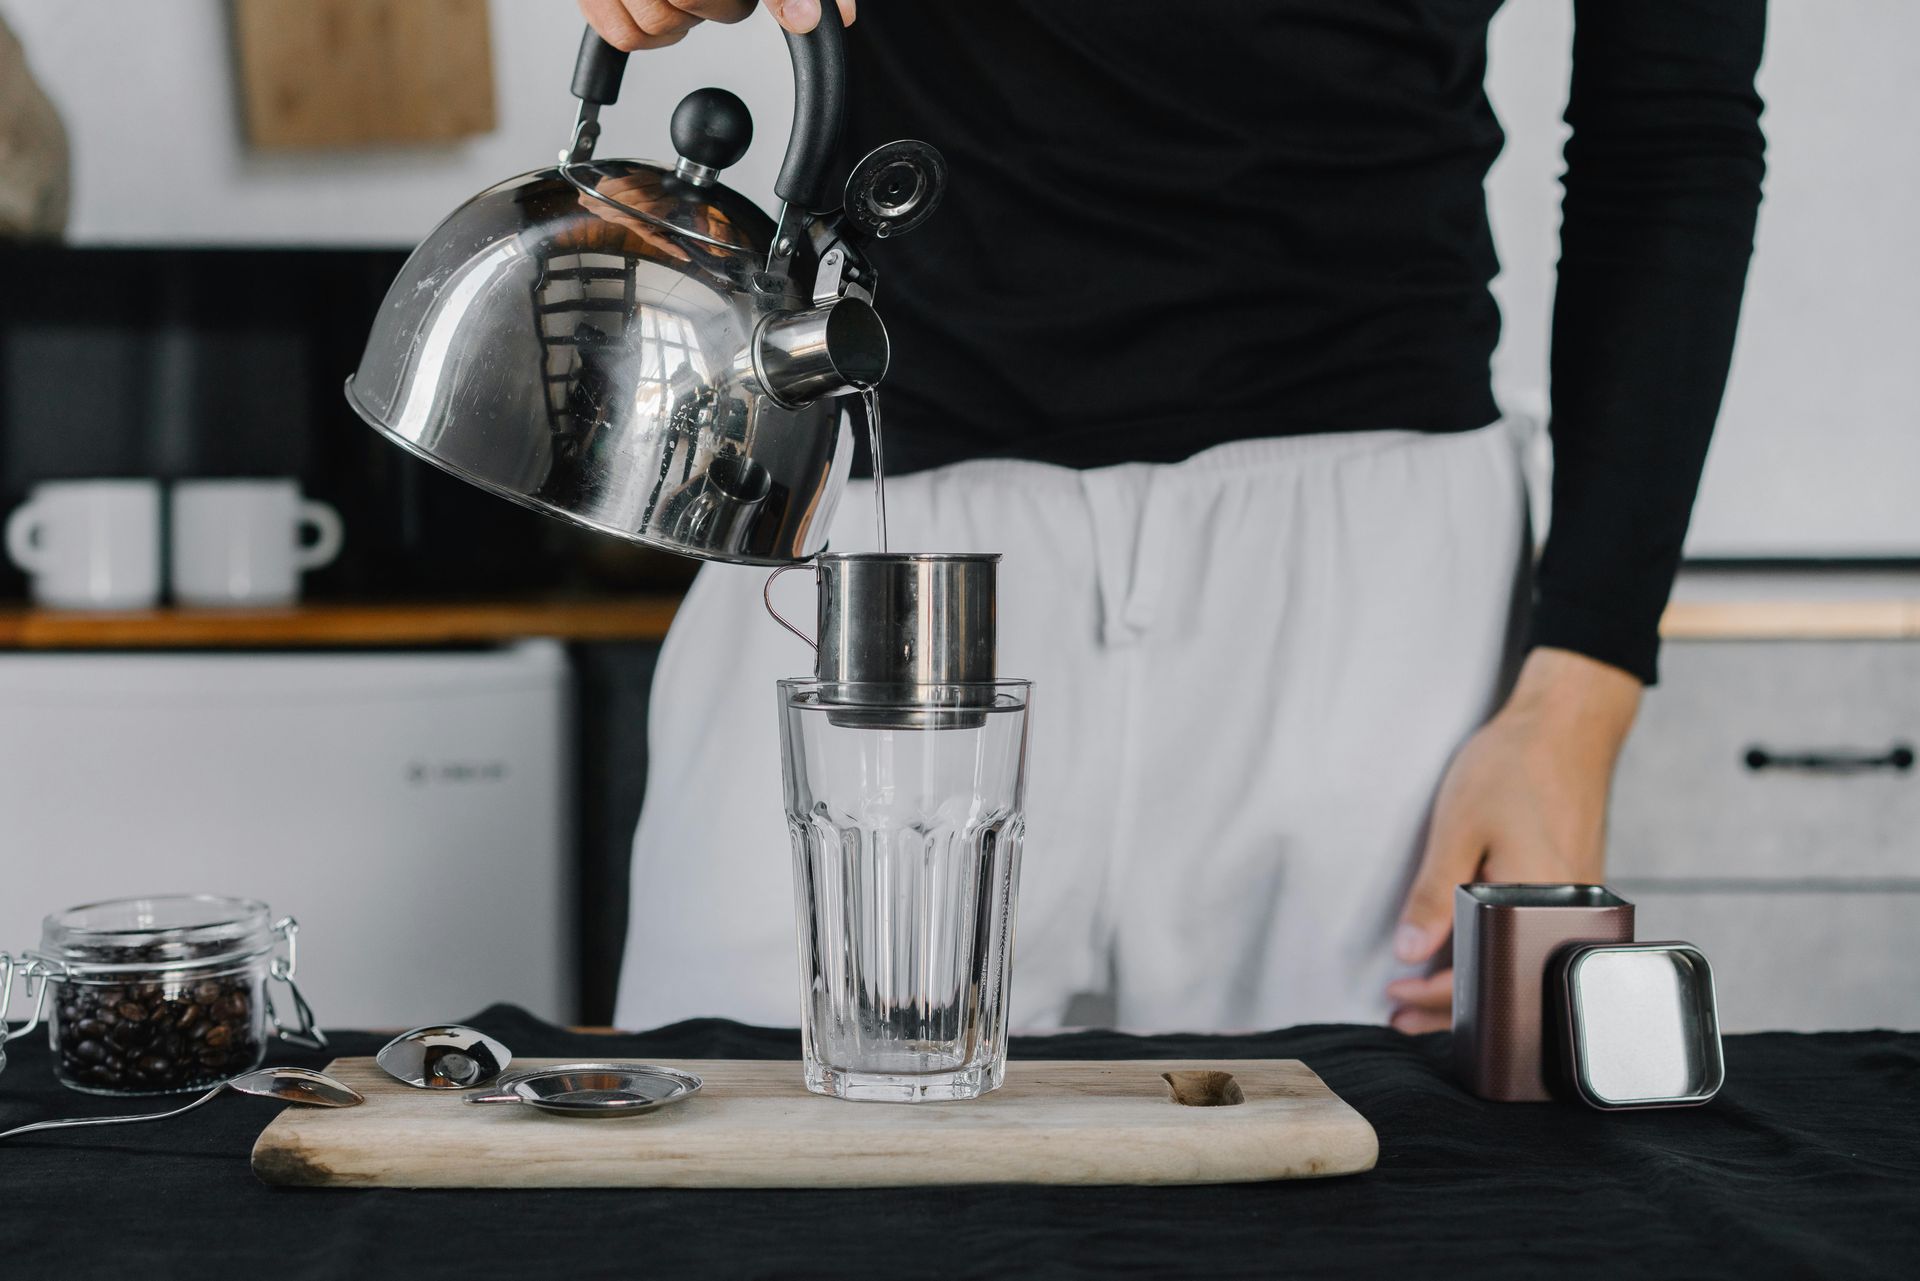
(711, 131)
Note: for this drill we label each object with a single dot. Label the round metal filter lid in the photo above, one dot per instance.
(593, 1089)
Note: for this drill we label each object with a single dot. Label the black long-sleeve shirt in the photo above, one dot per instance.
(1172, 226)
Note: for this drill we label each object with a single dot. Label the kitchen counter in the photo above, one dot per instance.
(1792, 620)
(1808, 1163)
(1694, 615)
(1728, 603)
(344, 624)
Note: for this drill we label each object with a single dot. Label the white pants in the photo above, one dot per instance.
(1250, 669)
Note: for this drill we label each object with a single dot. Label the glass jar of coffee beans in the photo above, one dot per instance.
(165, 994)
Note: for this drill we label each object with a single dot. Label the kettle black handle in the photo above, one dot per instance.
(819, 112)
(597, 71)
(819, 102)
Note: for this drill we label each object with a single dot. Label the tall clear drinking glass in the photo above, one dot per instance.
(907, 819)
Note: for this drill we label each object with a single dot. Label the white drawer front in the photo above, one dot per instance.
(1687, 805)
(1797, 961)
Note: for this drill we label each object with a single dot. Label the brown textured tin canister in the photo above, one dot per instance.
(1503, 937)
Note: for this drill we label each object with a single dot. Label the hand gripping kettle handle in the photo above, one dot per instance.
(819, 112)
(819, 103)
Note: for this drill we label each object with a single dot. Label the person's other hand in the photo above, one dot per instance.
(1525, 799)
(654, 24)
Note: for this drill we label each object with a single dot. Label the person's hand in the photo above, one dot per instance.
(654, 24)
(1524, 800)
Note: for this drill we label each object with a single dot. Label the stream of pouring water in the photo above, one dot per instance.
(871, 398)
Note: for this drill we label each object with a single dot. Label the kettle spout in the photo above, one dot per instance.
(828, 350)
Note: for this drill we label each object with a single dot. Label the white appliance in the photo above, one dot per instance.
(410, 809)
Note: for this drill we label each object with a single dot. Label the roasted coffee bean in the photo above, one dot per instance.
(157, 1035)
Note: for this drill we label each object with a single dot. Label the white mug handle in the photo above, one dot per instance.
(324, 521)
(23, 546)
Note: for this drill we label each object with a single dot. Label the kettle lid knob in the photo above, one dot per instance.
(711, 130)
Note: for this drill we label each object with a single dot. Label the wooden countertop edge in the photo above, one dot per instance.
(640, 617)
(646, 617)
(1792, 620)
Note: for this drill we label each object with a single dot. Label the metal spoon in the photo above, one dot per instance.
(444, 1057)
(294, 1085)
(593, 1089)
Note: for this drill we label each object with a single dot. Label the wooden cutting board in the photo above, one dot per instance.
(755, 1125)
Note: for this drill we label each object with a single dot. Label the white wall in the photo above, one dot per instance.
(1819, 447)
(147, 88)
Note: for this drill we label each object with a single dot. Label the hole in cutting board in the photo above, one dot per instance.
(1204, 1089)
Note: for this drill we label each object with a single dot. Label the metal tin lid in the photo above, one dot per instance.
(1640, 1028)
(592, 1089)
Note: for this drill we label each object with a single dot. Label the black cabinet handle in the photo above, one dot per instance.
(1898, 758)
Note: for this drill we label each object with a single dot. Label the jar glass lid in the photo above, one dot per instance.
(157, 929)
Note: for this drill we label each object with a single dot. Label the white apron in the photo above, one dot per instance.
(1250, 670)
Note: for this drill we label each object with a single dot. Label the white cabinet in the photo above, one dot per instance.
(411, 809)
(1800, 881)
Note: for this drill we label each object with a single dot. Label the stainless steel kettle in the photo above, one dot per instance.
(636, 348)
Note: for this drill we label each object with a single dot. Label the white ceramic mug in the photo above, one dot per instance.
(90, 544)
(246, 542)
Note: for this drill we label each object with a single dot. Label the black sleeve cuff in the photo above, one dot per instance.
(1629, 644)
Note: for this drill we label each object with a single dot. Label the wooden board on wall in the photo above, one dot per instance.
(346, 73)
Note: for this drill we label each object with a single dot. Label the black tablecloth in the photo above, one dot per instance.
(1808, 1164)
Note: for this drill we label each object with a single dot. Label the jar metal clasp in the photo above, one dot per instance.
(37, 974)
(283, 967)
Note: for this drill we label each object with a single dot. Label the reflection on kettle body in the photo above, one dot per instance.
(720, 508)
